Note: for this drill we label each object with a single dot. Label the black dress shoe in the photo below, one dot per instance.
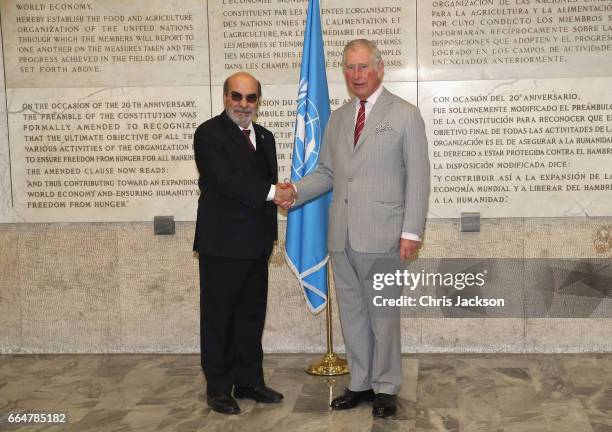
(350, 399)
(224, 404)
(262, 394)
(385, 405)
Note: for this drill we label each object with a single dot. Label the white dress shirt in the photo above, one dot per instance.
(369, 103)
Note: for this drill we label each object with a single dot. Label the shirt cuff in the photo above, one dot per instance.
(410, 236)
(271, 194)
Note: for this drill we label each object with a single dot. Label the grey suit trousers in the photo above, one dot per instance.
(372, 335)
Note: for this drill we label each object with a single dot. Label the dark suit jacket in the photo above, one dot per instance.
(234, 219)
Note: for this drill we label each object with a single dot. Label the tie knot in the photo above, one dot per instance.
(247, 135)
(363, 102)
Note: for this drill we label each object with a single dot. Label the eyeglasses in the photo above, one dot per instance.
(237, 97)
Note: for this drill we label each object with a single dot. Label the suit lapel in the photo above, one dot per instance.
(348, 127)
(376, 116)
(265, 146)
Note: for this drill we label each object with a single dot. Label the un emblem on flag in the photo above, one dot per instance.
(307, 134)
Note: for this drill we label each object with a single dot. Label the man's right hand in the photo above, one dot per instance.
(408, 248)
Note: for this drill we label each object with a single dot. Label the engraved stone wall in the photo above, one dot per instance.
(101, 99)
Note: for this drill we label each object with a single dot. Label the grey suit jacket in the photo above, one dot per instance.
(381, 185)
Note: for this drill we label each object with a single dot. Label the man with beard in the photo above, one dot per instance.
(235, 230)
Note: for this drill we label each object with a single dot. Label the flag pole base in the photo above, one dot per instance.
(330, 365)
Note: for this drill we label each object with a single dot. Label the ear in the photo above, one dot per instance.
(381, 69)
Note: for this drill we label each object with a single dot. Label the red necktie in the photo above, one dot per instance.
(247, 135)
(360, 121)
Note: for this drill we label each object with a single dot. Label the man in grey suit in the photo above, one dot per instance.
(374, 156)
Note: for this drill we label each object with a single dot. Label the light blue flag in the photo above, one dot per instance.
(306, 240)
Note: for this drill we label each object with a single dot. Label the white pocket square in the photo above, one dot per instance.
(386, 127)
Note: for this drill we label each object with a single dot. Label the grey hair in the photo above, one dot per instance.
(227, 80)
(363, 43)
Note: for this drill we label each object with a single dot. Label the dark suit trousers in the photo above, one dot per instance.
(233, 298)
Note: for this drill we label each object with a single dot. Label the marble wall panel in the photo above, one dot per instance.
(91, 280)
(98, 287)
(105, 154)
(578, 335)
(495, 250)
(70, 296)
(497, 239)
(471, 335)
(562, 289)
(568, 238)
(487, 39)
(412, 333)
(5, 168)
(266, 37)
(122, 289)
(10, 293)
(523, 148)
(578, 279)
(159, 289)
(105, 43)
(405, 90)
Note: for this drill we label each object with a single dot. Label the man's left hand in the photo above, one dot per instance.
(408, 248)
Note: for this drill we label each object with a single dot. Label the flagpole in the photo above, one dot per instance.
(306, 238)
(331, 364)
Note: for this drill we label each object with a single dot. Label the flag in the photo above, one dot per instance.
(306, 239)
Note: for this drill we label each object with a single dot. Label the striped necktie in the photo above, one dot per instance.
(247, 135)
(360, 121)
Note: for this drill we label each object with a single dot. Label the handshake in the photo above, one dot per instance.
(285, 195)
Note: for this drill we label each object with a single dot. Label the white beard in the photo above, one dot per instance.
(241, 121)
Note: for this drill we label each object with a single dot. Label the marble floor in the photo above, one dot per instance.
(441, 392)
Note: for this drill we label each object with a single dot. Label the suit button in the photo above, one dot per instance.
(350, 179)
(346, 201)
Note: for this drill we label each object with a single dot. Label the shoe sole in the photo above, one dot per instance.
(258, 400)
(341, 408)
(362, 399)
(241, 396)
(225, 412)
(381, 415)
